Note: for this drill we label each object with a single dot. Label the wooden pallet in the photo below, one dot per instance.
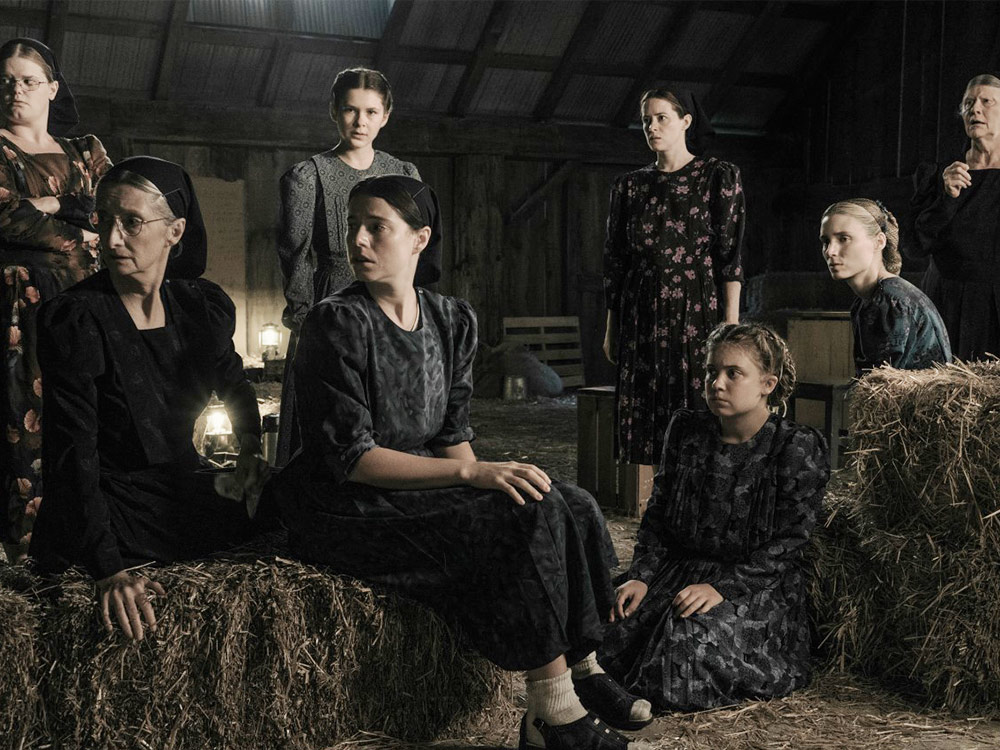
(554, 340)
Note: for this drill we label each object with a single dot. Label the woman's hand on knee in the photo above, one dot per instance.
(129, 597)
(628, 597)
(516, 479)
(696, 599)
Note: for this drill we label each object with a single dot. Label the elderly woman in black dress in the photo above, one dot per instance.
(894, 322)
(712, 610)
(388, 489)
(956, 222)
(129, 359)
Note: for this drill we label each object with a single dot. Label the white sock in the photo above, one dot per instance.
(642, 710)
(553, 701)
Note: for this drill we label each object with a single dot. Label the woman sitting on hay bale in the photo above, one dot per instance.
(713, 610)
(386, 487)
(129, 359)
(894, 322)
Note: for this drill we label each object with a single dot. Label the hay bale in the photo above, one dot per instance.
(19, 663)
(258, 653)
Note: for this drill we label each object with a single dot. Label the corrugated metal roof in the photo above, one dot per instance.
(308, 77)
(26, 4)
(423, 87)
(256, 13)
(117, 62)
(360, 18)
(10, 32)
(540, 27)
(509, 92)
(785, 45)
(748, 107)
(220, 73)
(710, 39)
(630, 37)
(125, 9)
(579, 101)
(445, 24)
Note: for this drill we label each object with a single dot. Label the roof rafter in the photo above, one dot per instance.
(485, 49)
(168, 52)
(583, 37)
(392, 33)
(55, 26)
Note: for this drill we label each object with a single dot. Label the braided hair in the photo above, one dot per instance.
(768, 349)
(875, 218)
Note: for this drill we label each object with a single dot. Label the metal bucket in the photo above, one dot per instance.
(515, 388)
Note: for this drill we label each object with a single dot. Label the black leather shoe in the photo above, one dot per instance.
(602, 695)
(588, 733)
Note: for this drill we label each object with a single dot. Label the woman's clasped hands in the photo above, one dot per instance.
(696, 599)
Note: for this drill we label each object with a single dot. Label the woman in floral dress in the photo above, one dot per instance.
(672, 270)
(46, 245)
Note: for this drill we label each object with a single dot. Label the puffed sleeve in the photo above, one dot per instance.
(654, 540)
(616, 252)
(727, 205)
(802, 473)
(229, 380)
(74, 511)
(456, 428)
(330, 370)
(298, 188)
(24, 226)
(931, 210)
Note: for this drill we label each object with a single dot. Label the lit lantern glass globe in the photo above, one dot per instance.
(217, 420)
(269, 338)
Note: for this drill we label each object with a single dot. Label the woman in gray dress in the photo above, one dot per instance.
(313, 222)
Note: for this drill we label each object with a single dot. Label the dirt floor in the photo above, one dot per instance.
(838, 711)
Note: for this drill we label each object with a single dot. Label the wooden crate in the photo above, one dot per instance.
(554, 340)
(822, 343)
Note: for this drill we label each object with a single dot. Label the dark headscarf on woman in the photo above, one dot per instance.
(188, 257)
(429, 264)
(63, 116)
(700, 130)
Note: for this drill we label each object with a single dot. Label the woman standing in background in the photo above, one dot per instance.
(672, 270)
(313, 222)
(47, 244)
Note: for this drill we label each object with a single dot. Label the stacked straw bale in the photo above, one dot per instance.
(19, 663)
(907, 569)
(256, 654)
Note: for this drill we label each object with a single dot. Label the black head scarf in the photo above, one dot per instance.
(63, 116)
(700, 131)
(429, 264)
(188, 257)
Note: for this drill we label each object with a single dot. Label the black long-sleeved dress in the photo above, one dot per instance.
(121, 472)
(736, 517)
(962, 237)
(524, 583)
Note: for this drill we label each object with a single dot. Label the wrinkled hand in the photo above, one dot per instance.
(696, 599)
(628, 597)
(956, 177)
(510, 476)
(129, 596)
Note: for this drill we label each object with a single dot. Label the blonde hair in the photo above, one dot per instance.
(875, 218)
(767, 348)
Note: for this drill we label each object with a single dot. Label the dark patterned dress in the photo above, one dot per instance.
(123, 481)
(40, 254)
(962, 238)
(673, 239)
(736, 517)
(312, 235)
(897, 325)
(523, 583)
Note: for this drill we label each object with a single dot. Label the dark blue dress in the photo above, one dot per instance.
(898, 325)
(524, 583)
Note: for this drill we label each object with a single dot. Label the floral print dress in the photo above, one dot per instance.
(41, 254)
(673, 239)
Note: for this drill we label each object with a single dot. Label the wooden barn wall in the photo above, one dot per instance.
(886, 102)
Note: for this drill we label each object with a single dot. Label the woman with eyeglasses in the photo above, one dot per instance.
(46, 245)
(313, 222)
(129, 359)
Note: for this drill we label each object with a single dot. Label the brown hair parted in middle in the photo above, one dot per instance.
(361, 78)
(28, 53)
(766, 346)
(875, 218)
(664, 93)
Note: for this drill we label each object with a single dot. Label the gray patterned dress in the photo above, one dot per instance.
(311, 248)
(523, 583)
(736, 517)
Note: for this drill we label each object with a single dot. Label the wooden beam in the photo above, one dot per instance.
(583, 37)
(392, 33)
(741, 55)
(671, 31)
(538, 196)
(55, 27)
(168, 51)
(276, 66)
(802, 11)
(468, 85)
(320, 44)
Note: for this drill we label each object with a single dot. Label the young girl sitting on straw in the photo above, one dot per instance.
(894, 322)
(713, 610)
